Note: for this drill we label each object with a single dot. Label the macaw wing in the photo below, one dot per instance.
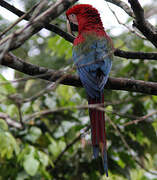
(93, 67)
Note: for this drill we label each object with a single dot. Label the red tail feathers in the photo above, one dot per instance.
(97, 119)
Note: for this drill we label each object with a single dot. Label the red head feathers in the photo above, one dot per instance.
(88, 19)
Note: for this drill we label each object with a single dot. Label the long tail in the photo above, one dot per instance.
(97, 119)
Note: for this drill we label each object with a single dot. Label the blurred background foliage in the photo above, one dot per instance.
(48, 146)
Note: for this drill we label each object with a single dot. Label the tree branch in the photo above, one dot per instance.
(122, 5)
(12, 9)
(10, 121)
(149, 31)
(135, 55)
(140, 119)
(113, 83)
(70, 145)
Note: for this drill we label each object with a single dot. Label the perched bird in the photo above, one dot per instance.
(92, 54)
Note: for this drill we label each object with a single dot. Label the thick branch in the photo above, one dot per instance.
(11, 8)
(51, 75)
(122, 5)
(135, 55)
(149, 31)
(151, 11)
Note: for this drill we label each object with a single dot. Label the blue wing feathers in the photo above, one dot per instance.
(93, 67)
(88, 83)
(96, 152)
(105, 162)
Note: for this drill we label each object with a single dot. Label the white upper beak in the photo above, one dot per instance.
(68, 27)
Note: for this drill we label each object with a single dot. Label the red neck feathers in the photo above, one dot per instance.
(89, 21)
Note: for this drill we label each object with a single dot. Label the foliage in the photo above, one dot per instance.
(47, 146)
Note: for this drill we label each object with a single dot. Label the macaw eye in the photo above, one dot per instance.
(73, 19)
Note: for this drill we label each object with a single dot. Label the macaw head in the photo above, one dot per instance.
(83, 17)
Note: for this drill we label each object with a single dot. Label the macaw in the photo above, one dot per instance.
(92, 55)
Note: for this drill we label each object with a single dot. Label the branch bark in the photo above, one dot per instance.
(122, 5)
(51, 75)
(149, 31)
(135, 55)
(10, 121)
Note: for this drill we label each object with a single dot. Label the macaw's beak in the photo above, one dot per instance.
(68, 27)
(72, 28)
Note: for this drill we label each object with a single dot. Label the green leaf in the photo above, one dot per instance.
(8, 145)
(28, 85)
(43, 158)
(31, 165)
(66, 94)
(12, 110)
(6, 88)
(154, 98)
(60, 46)
(3, 125)
(109, 108)
(22, 176)
(46, 174)
(56, 147)
(33, 134)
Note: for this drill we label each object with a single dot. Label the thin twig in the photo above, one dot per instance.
(26, 78)
(91, 106)
(70, 145)
(20, 115)
(128, 147)
(129, 29)
(140, 119)
(51, 86)
(50, 111)
(122, 5)
(18, 20)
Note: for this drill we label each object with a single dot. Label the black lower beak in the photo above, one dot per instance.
(73, 27)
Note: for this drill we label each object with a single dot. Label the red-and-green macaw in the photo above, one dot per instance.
(92, 50)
